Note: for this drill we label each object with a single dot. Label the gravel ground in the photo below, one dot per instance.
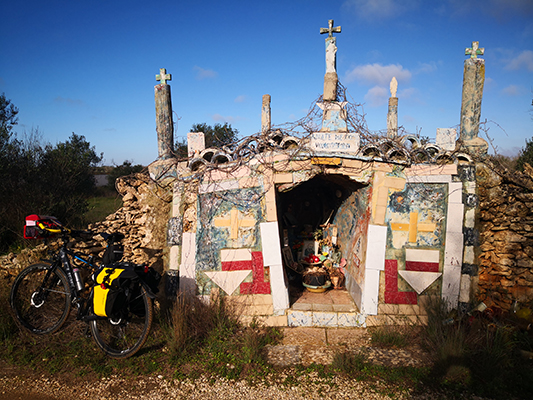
(301, 346)
(159, 388)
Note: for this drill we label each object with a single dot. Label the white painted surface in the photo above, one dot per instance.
(376, 246)
(453, 250)
(272, 258)
(429, 179)
(451, 283)
(228, 255)
(421, 255)
(218, 186)
(454, 223)
(419, 280)
(455, 193)
(371, 293)
(187, 271)
(270, 243)
(228, 281)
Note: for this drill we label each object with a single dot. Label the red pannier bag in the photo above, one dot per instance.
(33, 229)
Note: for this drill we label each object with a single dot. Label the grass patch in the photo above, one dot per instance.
(100, 207)
(479, 353)
(357, 366)
(209, 337)
(391, 336)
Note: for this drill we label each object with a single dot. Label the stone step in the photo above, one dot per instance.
(325, 319)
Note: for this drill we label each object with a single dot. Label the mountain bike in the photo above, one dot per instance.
(43, 294)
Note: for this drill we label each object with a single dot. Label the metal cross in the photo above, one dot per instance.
(474, 51)
(331, 29)
(163, 76)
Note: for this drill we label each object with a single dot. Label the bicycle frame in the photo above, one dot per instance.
(60, 259)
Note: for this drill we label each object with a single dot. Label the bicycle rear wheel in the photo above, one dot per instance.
(40, 298)
(123, 337)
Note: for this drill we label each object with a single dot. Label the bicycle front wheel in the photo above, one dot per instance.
(123, 337)
(40, 298)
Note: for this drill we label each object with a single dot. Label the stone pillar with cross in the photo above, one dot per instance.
(331, 79)
(163, 116)
(333, 136)
(473, 82)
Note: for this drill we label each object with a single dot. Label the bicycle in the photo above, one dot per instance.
(43, 294)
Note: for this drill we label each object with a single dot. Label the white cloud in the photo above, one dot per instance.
(229, 119)
(202, 73)
(379, 9)
(377, 96)
(426, 68)
(240, 99)
(409, 93)
(378, 74)
(513, 90)
(523, 60)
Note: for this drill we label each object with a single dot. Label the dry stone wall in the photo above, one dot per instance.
(506, 236)
(142, 219)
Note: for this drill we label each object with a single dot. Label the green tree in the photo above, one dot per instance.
(127, 168)
(215, 136)
(41, 179)
(525, 155)
(8, 115)
(66, 178)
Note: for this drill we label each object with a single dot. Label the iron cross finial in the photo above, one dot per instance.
(330, 30)
(163, 76)
(474, 51)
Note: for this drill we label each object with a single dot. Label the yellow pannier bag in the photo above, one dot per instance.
(114, 287)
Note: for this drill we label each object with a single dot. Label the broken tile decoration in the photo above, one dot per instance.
(413, 227)
(422, 260)
(418, 280)
(392, 295)
(228, 281)
(258, 284)
(446, 138)
(195, 143)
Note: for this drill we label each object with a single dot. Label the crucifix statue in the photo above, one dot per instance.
(331, 47)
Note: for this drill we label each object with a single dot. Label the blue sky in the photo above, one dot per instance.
(89, 66)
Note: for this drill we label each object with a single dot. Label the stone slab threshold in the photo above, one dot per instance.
(331, 309)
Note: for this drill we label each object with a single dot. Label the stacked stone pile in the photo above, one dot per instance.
(142, 219)
(506, 236)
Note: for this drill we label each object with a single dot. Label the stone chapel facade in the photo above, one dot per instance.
(397, 217)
